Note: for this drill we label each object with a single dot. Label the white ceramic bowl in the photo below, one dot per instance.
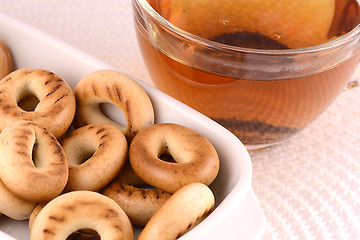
(237, 214)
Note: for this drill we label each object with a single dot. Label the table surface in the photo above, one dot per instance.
(308, 186)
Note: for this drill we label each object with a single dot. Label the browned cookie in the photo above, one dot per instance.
(33, 164)
(78, 210)
(108, 86)
(139, 201)
(95, 154)
(6, 61)
(56, 108)
(196, 159)
(182, 211)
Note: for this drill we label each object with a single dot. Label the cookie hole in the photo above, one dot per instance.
(86, 233)
(34, 155)
(167, 158)
(28, 102)
(84, 156)
(114, 113)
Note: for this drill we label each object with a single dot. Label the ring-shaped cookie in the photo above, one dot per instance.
(56, 108)
(108, 86)
(196, 159)
(186, 208)
(77, 210)
(13, 206)
(95, 154)
(33, 164)
(6, 61)
(82, 234)
(34, 213)
(138, 203)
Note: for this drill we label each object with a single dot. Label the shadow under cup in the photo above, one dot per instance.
(261, 96)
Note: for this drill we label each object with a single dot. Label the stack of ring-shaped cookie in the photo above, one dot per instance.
(78, 210)
(56, 108)
(183, 210)
(33, 164)
(138, 203)
(6, 61)
(108, 86)
(95, 154)
(196, 158)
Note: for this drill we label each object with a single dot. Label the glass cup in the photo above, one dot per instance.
(263, 92)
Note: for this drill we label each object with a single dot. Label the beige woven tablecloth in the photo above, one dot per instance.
(308, 187)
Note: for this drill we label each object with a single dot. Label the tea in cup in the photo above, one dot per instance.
(264, 69)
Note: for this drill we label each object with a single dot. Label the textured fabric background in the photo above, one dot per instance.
(308, 186)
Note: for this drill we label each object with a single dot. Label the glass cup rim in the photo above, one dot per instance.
(342, 40)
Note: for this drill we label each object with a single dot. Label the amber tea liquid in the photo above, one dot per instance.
(257, 111)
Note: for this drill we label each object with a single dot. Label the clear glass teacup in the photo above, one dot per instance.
(263, 78)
